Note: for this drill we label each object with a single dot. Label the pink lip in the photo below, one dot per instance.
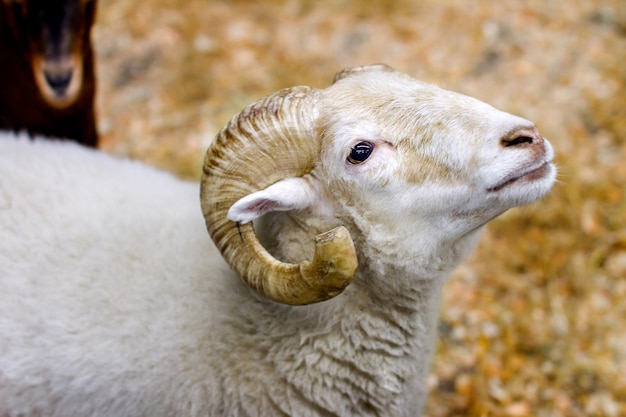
(530, 175)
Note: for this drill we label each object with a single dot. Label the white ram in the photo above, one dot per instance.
(115, 302)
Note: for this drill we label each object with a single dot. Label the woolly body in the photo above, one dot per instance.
(116, 303)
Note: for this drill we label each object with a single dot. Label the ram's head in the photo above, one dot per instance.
(378, 148)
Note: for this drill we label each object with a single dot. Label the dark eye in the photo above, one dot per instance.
(360, 152)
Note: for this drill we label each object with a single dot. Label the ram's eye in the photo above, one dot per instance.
(360, 152)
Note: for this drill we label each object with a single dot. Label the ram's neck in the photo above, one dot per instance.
(354, 355)
(372, 345)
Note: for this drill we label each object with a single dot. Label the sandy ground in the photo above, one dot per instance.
(534, 323)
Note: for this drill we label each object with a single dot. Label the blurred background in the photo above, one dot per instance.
(534, 323)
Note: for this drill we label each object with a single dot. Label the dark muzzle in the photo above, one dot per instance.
(58, 80)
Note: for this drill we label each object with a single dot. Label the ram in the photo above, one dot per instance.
(47, 80)
(115, 301)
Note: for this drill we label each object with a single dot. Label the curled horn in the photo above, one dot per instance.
(270, 140)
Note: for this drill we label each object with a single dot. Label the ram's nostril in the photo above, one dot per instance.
(517, 141)
(521, 136)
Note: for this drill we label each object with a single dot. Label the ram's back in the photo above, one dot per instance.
(106, 280)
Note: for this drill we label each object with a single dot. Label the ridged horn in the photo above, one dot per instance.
(270, 140)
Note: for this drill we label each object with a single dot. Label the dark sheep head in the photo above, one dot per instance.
(54, 35)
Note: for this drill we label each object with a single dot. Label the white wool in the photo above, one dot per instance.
(114, 301)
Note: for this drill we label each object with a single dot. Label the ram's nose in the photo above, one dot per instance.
(529, 139)
(524, 137)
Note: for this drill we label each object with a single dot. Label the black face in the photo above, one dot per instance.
(53, 33)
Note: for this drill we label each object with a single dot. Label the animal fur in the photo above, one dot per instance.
(115, 302)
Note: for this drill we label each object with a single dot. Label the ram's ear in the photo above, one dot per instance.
(285, 195)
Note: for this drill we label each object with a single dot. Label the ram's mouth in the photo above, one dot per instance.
(529, 175)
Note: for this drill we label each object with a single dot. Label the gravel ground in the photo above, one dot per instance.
(534, 323)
